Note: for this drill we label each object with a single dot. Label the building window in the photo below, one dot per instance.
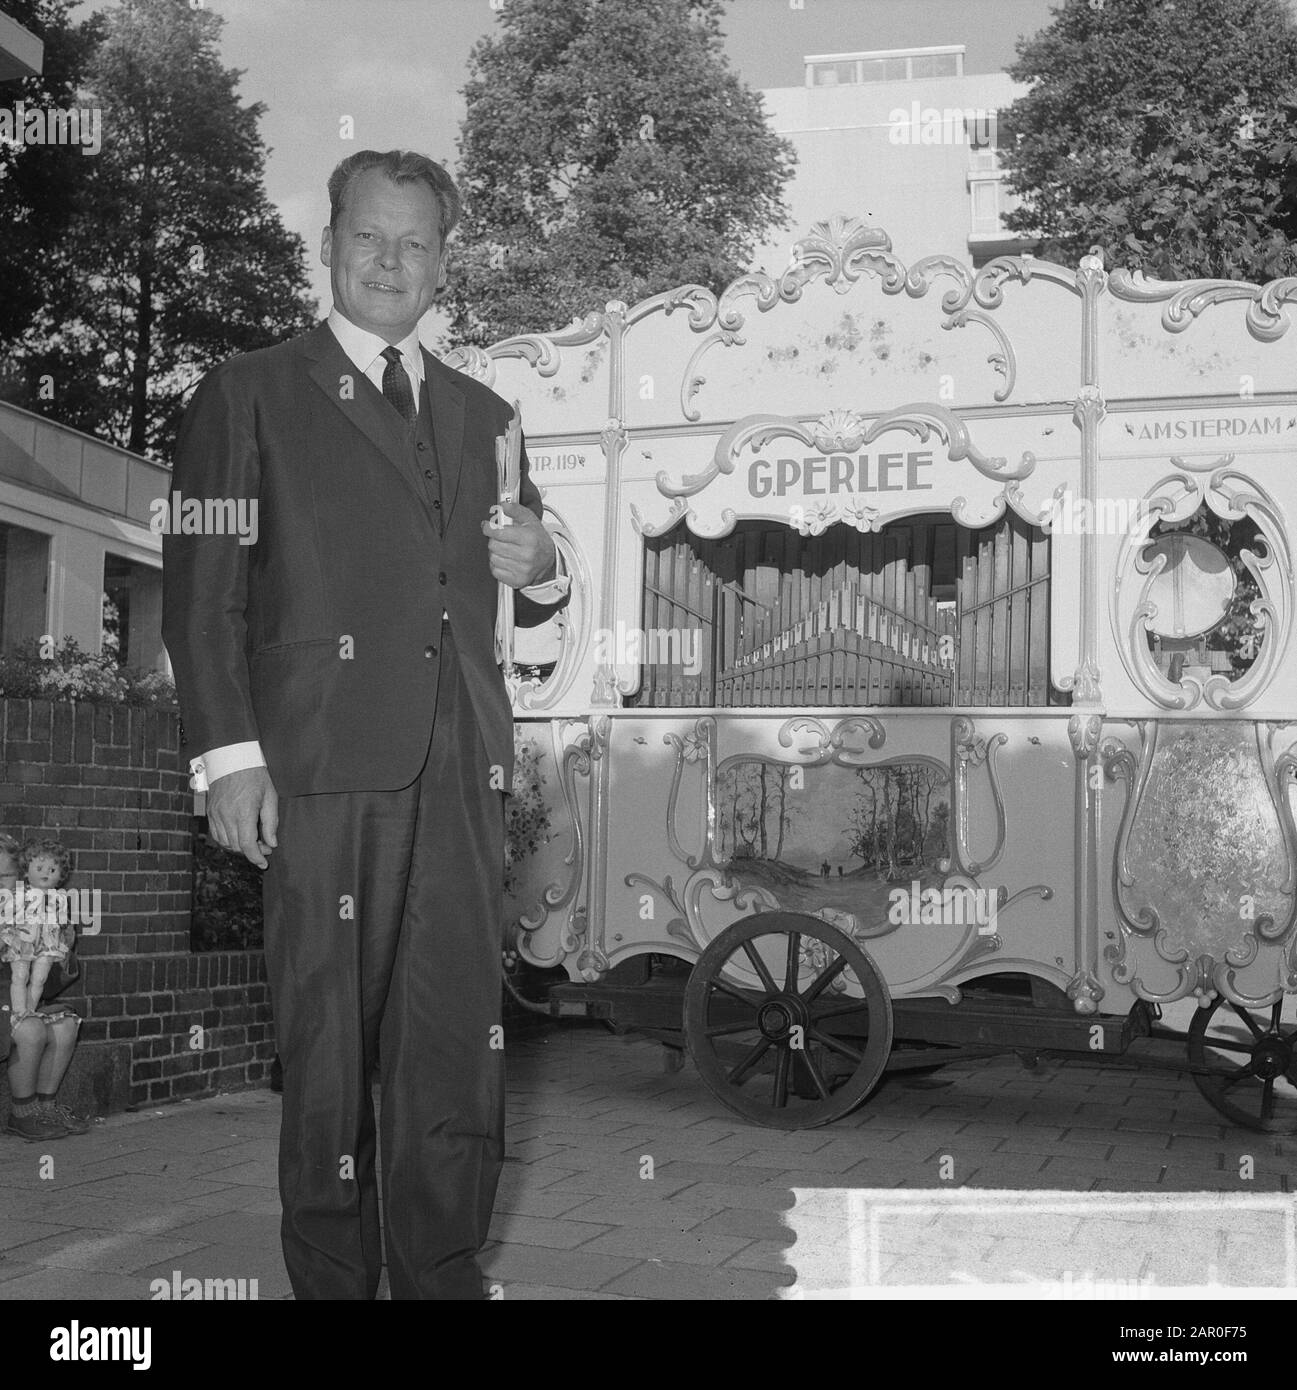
(24, 585)
(884, 70)
(895, 66)
(934, 65)
(833, 74)
(986, 207)
(981, 130)
(132, 631)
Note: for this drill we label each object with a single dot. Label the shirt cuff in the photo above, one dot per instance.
(220, 762)
(549, 592)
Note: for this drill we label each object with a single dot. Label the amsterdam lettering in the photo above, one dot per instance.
(1220, 427)
(823, 475)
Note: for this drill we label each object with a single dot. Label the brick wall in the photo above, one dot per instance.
(160, 1022)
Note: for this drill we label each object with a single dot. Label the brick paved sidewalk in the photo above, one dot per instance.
(624, 1180)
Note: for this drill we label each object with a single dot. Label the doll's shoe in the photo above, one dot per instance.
(66, 1116)
(35, 1128)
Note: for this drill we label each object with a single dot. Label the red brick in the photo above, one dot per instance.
(124, 903)
(61, 740)
(83, 735)
(17, 720)
(42, 721)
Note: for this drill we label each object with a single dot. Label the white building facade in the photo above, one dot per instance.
(904, 139)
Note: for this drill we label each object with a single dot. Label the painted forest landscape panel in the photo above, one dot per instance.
(834, 836)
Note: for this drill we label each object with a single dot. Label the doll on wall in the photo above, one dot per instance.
(10, 853)
(32, 945)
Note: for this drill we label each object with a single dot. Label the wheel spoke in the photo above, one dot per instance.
(824, 979)
(733, 993)
(791, 968)
(852, 1006)
(1232, 1078)
(761, 968)
(810, 1066)
(721, 1029)
(1248, 1019)
(737, 1076)
(1267, 1098)
(1227, 1045)
(781, 1077)
(834, 1044)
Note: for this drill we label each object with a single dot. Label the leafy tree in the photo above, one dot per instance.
(608, 152)
(38, 185)
(172, 258)
(1161, 131)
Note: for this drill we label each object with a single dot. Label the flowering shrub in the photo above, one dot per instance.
(69, 673)
(227, 898)
(526, 822)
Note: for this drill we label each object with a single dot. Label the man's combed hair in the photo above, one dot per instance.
(401, 166)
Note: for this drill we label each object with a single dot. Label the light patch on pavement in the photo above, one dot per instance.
(965, 1243)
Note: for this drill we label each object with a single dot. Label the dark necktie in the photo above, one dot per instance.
(396, 384)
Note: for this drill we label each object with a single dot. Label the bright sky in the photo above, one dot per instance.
(397, 66)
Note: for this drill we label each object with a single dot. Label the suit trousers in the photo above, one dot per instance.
(383, 937)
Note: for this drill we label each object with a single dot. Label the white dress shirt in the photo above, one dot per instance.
(365, 349)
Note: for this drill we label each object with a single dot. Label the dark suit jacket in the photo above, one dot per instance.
(322, 640)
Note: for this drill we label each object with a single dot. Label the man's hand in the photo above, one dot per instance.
(238, 806)
(522, 550)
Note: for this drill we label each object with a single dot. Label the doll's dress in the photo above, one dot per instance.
(21, 940)
(52, 943)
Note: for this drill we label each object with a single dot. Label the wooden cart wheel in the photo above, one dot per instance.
(794, 1054)
(1245, 1063)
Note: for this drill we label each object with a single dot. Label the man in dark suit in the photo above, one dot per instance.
(339, 681)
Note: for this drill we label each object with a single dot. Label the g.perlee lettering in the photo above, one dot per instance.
(820, 475)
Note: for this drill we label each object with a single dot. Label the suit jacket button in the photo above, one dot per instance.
(422, 446)
(430, 651)
(441, 578)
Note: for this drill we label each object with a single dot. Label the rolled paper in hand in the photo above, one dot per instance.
(508, 459)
